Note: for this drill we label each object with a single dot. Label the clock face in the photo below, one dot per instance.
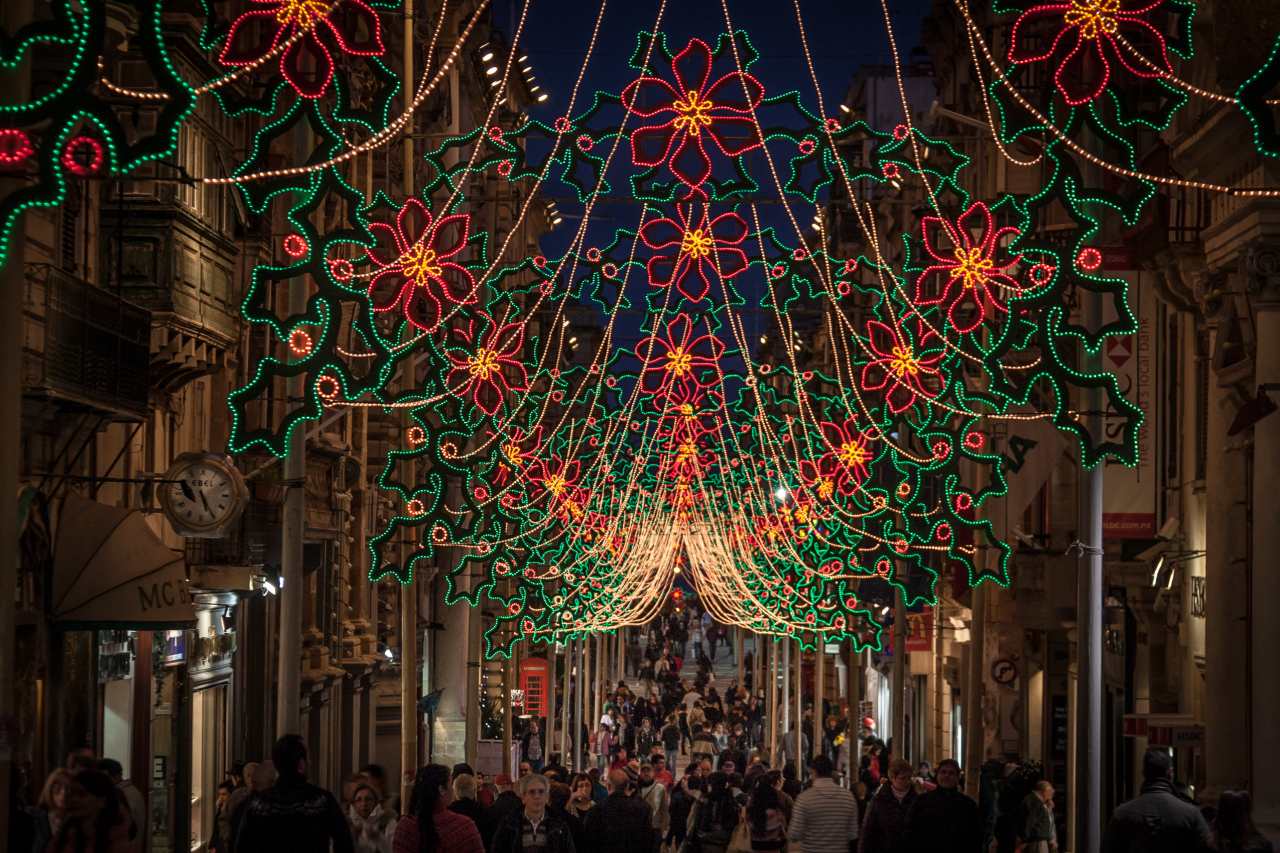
(203, 495)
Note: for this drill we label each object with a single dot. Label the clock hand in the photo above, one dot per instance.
(186, 490)
(205, 501)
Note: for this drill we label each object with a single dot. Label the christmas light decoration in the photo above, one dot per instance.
(703, 389)
(66, 125)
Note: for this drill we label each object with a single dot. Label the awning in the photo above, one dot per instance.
(111, 570)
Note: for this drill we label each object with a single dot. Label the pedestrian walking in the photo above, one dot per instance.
(1158, 818)
(1039, 832)
(622, 823)
(655, 796)
(293, 814)
(531, 746)
(133, 801)
(218, 841)
(1233, 829)
(430, 827)
(466, 804)
(372, 826)
(534, 828)
(766, 821)
(824, 818)
(944, 820)
(51, 808)
(885, 825)
(96, 818)
(507, 802)
(714, 817)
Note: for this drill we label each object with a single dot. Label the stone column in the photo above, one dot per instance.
(1262, 268)
(1226, 630)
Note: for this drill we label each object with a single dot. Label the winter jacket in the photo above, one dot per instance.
(1038, 824)
(884, 828)
(293, 815)
(655, 796)
(374, 833)
(944, 820)
(1156, 821)
(621, 824)
(507, 838)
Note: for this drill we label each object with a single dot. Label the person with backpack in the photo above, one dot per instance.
(713, 818)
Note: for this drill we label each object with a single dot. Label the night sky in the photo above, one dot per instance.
(843, 35)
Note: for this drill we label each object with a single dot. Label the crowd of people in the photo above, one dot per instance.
(676, 766)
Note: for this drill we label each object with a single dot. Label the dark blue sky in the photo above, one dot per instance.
(843, 35)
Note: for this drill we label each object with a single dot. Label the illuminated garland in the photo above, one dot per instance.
(578, 430)
(69, 128)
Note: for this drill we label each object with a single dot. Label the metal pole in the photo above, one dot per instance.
(293, 532)
(819, 691)
(800, 755)
(771, 700)
(854, 712)
(973, 735)
(899, 675)
(408, 595)
(567, 656)
(1088, 749)
(786, 686)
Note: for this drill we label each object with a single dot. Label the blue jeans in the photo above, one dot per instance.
(671, 759)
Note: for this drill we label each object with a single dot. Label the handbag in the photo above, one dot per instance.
(740, 841)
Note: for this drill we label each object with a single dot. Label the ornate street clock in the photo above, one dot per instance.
(203, 495)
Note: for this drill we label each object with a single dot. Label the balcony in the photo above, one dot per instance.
(85, 348)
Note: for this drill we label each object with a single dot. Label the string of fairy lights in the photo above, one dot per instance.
(795, 485)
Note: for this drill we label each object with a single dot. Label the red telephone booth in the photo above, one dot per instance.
(535, 682)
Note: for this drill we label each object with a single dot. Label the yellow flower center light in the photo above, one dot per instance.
(679, 362)
(420, 264)
(692, 113)
(853, 454)
(902, 361)
(556, 484)
(1093, 17)
(303, 13)
(972, 267)
(826, 488)
(686, 452)
(514, 454)
(483, 364)
(696, 244)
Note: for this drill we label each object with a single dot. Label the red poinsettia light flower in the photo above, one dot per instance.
(515, 452)
(558, 478)
(845, 465)
(700, 250)
(970, 269)
(691, 111)
(350, 26)
(675, 357)
(903, 366)
(414, 272)
(486, 373)
(1081, 38)
(685, 460)
(688, 413)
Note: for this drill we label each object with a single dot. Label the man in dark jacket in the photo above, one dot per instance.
(944, 820)
(1157, 819)
(292, 815)
(622, 823)
(534, 827)
(884, 828)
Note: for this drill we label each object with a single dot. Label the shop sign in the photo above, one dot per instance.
(920, 631)
(175, 647)
(1129, 495)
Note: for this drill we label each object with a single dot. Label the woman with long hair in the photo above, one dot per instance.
(430, 826)
(1233, 829)
(765, 818)
(96, 821)
(51, 807)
